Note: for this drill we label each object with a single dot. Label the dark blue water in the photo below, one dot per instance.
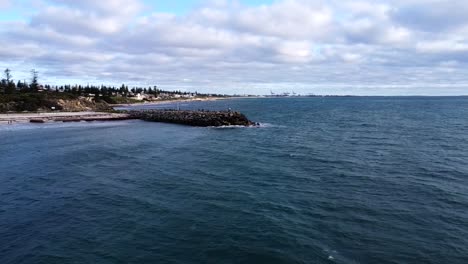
(325, 180)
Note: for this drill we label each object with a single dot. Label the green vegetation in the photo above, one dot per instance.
(21, 96)
(32, 101)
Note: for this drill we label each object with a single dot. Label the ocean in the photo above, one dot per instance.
(322, 180)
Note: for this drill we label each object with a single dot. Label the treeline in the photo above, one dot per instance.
(104, 90)
(9, 86)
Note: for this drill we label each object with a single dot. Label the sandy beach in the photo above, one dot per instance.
(171, 101)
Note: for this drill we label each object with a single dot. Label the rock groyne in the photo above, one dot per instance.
(194, 118)
(191, 118)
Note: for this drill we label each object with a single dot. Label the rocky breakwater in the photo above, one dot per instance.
(194, 118)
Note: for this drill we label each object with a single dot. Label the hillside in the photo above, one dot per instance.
(44, 102)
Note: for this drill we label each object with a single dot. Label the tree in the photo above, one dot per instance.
(8, 85)
(3, 85)
(11, 87)
(34, 81)
(22, 86)
(8, 75)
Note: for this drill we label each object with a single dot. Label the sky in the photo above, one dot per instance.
(359, 47)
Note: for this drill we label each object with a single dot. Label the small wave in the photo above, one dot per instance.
(331, 254)
(259, 125)
(231, 127)
(269, 125)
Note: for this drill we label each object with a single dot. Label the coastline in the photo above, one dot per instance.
(171, 101)
(45, 117)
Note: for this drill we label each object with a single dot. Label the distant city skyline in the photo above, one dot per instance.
(365, 47)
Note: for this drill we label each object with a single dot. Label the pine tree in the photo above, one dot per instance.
(7, 75)
(9, 85)
(34, 81)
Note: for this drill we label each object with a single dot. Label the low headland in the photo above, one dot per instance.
(36, 103)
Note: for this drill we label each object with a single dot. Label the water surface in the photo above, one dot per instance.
(324, 180)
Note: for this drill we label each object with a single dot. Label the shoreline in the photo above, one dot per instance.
(171, 101)
(187, 117)
(88, 116)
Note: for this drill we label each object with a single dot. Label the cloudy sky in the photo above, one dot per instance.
(368, 47)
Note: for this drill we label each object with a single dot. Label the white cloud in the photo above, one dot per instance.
(87, 17)
(294, 51)
(442, 46)
(305, 42)
(351, 57)
(49, 36)
(288, 19)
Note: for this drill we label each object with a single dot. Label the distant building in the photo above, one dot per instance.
(139, 97)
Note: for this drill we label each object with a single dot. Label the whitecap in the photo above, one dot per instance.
(269, 125)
